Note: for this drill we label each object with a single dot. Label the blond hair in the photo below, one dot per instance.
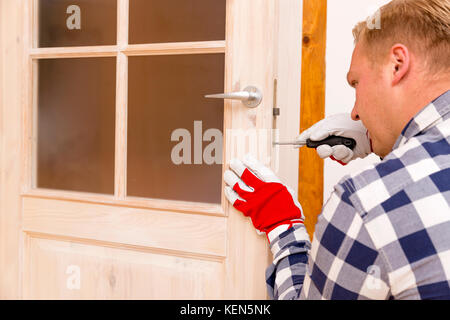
(421, 25)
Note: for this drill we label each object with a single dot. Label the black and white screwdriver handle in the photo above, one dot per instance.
(332, 141)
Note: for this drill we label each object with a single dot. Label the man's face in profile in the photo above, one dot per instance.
(371, 83)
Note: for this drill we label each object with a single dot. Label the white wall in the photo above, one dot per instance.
(342, 15)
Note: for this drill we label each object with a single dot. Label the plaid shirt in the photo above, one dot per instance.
(384, 233)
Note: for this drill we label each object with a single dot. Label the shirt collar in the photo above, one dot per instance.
(428, 117)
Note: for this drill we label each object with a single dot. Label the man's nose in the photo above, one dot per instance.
(355, 115)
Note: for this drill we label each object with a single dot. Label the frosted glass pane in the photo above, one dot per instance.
(76, 124)
(156, 21)
(166, 93)
(64, 23)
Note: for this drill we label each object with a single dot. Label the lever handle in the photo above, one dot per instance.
(250, 96)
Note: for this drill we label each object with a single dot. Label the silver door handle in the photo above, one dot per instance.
(250, 96)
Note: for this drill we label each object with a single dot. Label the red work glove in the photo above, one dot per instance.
(256, 191)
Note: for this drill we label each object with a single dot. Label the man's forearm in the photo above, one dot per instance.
(285, 276)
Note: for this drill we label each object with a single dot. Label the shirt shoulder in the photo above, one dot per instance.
(404, 204)
(419, 164)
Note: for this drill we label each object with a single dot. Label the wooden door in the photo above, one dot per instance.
(92, 96)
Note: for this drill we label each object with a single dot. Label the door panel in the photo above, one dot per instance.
(168, 118)
(137, 242)
(64, 23)
(188, 233)
(76, 124)
(160, 21)
(84, 271)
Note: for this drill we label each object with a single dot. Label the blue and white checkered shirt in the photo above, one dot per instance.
(385, 231)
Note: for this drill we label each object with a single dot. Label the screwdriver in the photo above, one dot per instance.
(331, 141)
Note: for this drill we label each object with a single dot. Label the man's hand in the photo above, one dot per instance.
(339, 125)
(256, 191)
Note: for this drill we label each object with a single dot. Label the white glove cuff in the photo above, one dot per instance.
(275, 233)
(300, 235)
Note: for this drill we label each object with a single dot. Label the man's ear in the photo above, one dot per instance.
(400, 61)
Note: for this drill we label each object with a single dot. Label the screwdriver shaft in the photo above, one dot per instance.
(293, 143)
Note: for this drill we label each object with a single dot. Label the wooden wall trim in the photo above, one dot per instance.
(310, 190)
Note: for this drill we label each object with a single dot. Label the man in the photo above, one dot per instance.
(385, 231)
